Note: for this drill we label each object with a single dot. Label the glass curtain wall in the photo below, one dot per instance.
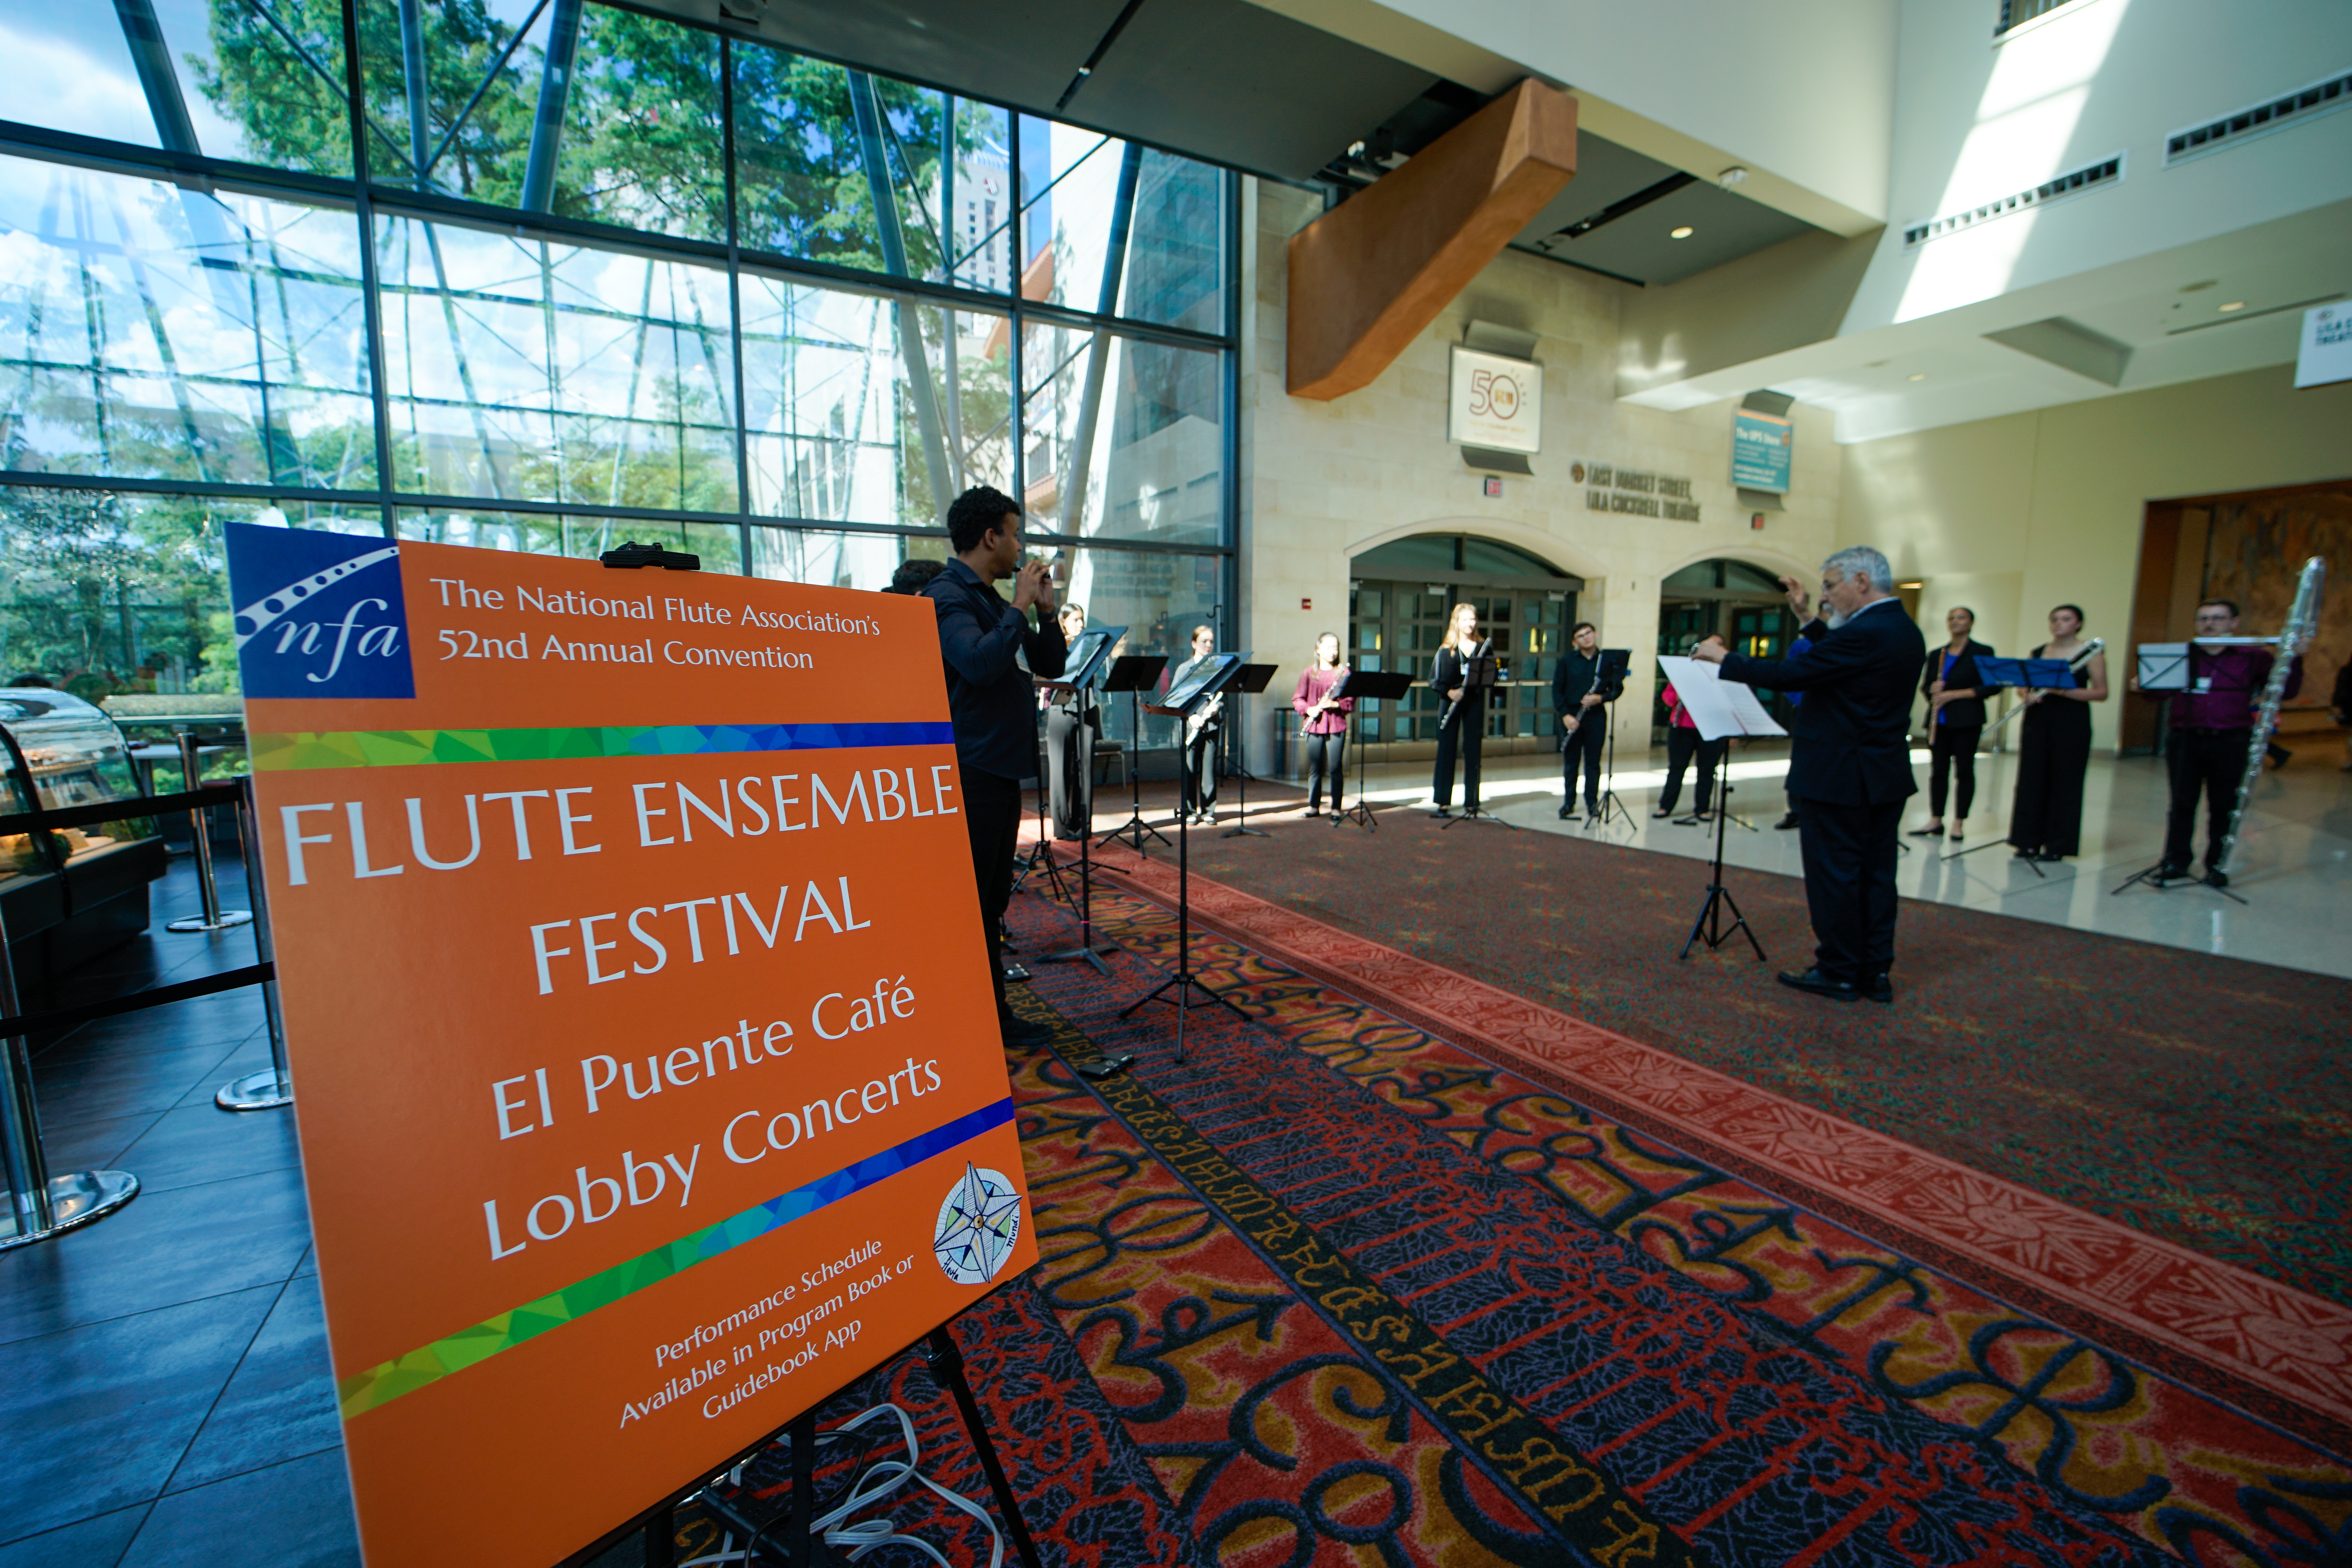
(539, 276)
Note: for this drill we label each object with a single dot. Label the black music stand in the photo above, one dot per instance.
(1610, 677)
(1184, 699)
(1368, 686)
(1040, 854)
(1709, 927)
(1135, 673)
(1479, 676)
(1248, 681)
(1080, 679)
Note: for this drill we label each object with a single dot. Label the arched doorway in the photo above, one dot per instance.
(1399, 597)
(1736, 600)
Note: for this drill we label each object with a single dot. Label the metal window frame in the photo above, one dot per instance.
(364, 197)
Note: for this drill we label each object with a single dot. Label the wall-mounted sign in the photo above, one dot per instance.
(1760, 444)
(1630, 491)
(2327, 352)
(1498, 402)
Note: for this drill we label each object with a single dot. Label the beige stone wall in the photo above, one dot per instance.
(2013, 515)
(1325, 481)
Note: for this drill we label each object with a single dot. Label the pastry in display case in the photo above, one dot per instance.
(68, 894)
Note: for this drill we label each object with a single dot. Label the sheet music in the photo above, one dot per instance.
(1719, 707)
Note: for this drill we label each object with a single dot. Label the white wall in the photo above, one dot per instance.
(1324, 481)
(1976, 119)
(2014, 515)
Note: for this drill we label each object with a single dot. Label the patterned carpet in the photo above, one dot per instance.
(1337, 1290)
(2197, 1098)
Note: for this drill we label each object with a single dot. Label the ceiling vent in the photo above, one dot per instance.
(2325, 95)
(2057, 188)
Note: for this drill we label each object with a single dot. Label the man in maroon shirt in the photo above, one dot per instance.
(2212, 726)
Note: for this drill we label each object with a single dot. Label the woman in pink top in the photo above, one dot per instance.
(1326, 727)
(1683, 744)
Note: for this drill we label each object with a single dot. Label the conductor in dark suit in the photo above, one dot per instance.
(1852, 766)
(990, 697)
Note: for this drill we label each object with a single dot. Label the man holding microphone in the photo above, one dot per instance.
(991, 702)
(1851, 766)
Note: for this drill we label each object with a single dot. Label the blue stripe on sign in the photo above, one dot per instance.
(801, 1202)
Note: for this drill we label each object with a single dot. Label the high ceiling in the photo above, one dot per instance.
(1238, 84)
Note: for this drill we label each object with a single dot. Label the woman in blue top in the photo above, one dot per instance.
(1955, 716)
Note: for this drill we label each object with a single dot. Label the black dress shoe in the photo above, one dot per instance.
(1100, 1065)
(1568, 813)
(1935, 832)
(1788, 821)
(2216, 877)
(2169, 872)
(1022, 1034)
(1441, 811)
(1820, 984)
(2047, 857)
(1880, 989)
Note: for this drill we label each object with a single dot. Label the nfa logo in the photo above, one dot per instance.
(317, 615)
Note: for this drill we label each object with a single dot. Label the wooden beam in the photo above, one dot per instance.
(1369, 274)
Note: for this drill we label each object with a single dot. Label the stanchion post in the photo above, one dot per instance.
(40, 1205)
(273, 1085)
(215, 918)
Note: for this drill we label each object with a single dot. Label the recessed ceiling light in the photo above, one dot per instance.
(2198, 288)
(2235, 305)
(1920, 375)
(1877, 364)
(1682, 233)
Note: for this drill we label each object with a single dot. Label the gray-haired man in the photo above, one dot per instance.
(1851, 765)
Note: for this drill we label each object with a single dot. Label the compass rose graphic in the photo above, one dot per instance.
(978, 1222)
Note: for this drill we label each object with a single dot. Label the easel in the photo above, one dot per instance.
(1368, 686)
(1185, 981)
(1133, 674)
(1478, 677)
(1721, 709)
(792, 1538)
(1248, 681)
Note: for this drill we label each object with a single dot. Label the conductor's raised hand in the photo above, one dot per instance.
(1799, 599)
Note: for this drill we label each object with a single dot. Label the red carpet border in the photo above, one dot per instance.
(2091, 1273)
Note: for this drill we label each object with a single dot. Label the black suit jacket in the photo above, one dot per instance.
(1856, 721)
(1968, 710)
(988, 697)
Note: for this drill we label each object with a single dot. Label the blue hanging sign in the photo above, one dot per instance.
(1760, 444)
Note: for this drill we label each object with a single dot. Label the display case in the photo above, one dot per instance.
(70, 893)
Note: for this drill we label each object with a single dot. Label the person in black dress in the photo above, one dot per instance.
(1955, 716)
(2045, 820)
(1463, 726)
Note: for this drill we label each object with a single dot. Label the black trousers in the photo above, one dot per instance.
(1682, 745)
(1849, 854)
(1581, 747)
(1952, 749)
(1465, 735)
(1327, 755)
(991, 815)
(2053, 754)
(1200, 791)
(1070, 772)
(2210, 762)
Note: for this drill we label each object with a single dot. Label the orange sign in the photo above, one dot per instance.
(645, 1053)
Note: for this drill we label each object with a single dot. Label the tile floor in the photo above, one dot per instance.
(165, 1390)
(2294, 863)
